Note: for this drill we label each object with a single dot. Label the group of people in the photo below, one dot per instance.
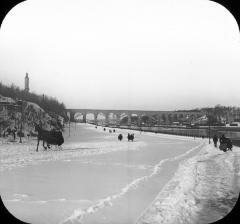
(130, 137)
(225, 143)
(110, 131)
(10, 131)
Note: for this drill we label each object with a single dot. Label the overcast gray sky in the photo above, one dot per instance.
(124, 54)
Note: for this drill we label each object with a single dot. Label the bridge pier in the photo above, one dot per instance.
(84, 118)
(139, 121)
(129, 120)
(118, 120)
(158, 119)
(167, 119)
(72, 117)
(106, 119)
(95, 118)
(175, 117)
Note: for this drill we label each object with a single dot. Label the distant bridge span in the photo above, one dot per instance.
(162, 117)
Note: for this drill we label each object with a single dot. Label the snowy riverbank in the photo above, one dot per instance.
(14, 155)
(204, 189)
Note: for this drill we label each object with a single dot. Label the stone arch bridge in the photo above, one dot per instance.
(160, 117)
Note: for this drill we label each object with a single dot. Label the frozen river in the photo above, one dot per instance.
(94, 179)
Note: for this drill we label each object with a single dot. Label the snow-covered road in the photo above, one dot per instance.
(203, 190)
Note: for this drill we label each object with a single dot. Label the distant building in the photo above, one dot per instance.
(26, 83)
(3, 112)
(7, 105)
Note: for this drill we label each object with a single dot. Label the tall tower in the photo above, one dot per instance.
(26, 83)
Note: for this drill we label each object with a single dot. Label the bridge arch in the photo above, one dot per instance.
(102, 118)
(123, 117)
(78, 116)
(90, 117)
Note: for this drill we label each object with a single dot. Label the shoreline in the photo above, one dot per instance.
(189, 132)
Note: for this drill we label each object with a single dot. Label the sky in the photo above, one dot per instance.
(128, 54)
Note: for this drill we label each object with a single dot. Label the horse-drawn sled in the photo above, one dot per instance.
(50, 137)
(225, 144)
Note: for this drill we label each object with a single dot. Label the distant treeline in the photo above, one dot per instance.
(49, 104)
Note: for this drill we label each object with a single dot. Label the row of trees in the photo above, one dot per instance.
(49, 104)
(215, 114)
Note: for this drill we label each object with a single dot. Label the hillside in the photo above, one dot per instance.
(47, 103)
(10, 116)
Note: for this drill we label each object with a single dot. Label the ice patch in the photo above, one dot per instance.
(139, 166)
(63, 200)
(38, 202)
(13, 200)
(21, 195)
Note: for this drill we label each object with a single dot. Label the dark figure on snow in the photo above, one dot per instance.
(215, 140)
(222, 139)
(120, 137)
(130, 137)
(8, 131)
(14, 130)
(225, 143)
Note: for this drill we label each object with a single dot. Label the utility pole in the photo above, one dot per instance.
(69, 124)
(69, 118)
(69, 128)
(208, 114)
(209, 133)
(21, 105)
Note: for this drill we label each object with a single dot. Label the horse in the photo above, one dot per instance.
(130, 137)
(120, 137)
(50, 137)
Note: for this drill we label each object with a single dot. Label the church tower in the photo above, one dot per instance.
(26, 83)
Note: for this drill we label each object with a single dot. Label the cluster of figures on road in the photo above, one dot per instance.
(225, 143)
